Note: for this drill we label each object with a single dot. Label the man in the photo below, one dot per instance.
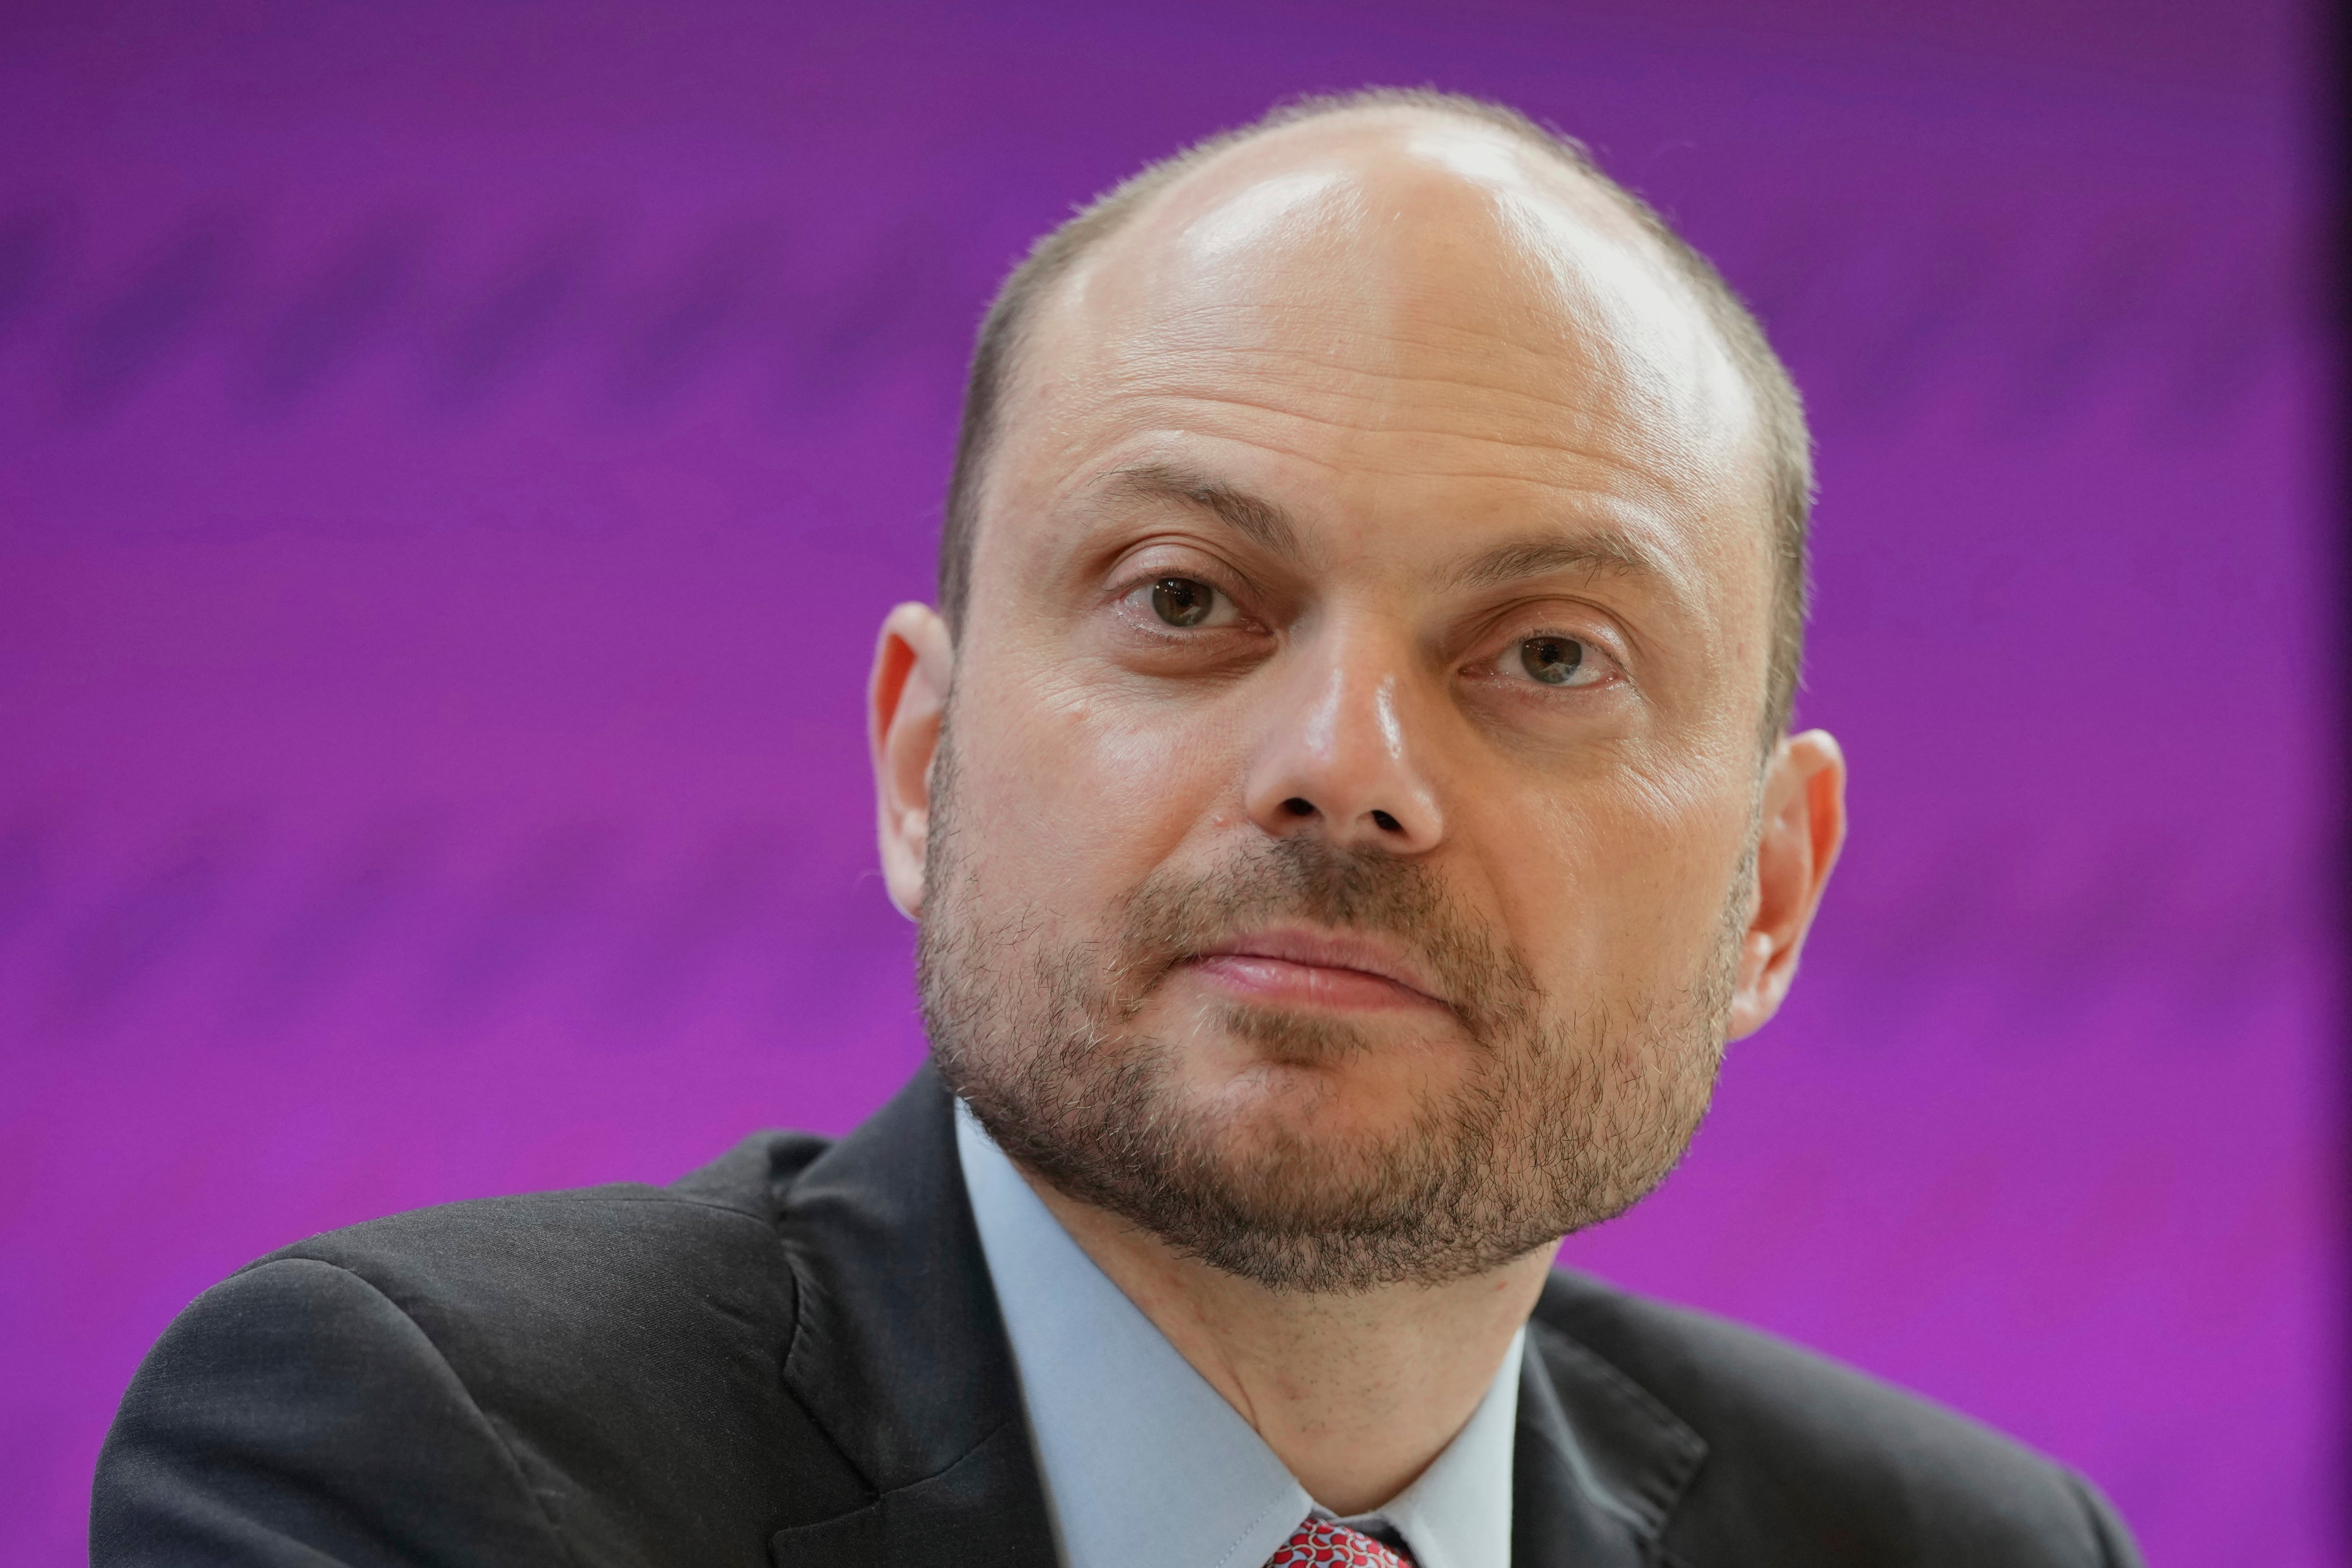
(1347, 796)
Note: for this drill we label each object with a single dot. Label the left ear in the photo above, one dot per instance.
(1803, 828)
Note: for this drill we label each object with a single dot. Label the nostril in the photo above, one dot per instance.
(1297, 806)
(1386, 823)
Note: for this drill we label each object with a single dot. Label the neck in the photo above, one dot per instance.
(1356, 1394)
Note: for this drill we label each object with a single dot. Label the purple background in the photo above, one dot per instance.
(453, 459)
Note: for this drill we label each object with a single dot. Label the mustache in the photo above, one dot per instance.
(1172, 917)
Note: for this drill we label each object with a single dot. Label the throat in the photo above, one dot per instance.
(1358, 1392)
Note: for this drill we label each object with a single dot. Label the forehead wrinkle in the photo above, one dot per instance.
(1333, 421)
(1410, 346)
(1310, 371)
(1558, 416)
(1644, 479)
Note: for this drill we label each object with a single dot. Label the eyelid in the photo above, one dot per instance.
(1130, 600)
(1128, 573)
(1517, 624)
(1594, 629)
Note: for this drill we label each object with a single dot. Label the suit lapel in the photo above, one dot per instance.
(1598, 1463)
(899, 1354)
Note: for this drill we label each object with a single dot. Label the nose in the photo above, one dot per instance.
(1343, 755)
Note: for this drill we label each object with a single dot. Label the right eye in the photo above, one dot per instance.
(1555, 660)
(1189, 603)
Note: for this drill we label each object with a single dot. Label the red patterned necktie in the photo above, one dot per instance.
(1320, 1543)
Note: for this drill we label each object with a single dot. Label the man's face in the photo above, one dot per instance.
(1340, 847)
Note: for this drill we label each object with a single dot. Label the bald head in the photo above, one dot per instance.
(1352, 231)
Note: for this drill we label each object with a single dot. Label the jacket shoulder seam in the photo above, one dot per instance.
(293, 1249)
(2101, 1537)
(514, 1463)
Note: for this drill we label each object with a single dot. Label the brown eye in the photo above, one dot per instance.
(1552, 660)
(1182, 601)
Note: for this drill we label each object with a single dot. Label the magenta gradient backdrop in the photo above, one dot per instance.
(453, 459)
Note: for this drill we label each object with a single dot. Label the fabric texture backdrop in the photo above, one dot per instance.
(453, 460)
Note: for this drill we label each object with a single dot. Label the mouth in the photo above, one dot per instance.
(1299, 967)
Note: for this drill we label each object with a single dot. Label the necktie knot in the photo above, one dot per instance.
(1322, 1544)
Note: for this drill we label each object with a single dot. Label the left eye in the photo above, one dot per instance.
(1550, 661)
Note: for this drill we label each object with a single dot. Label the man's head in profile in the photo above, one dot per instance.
(1346, 785)
(1347, 791)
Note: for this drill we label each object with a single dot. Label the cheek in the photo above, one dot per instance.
(1070, 797)
(1618, 884)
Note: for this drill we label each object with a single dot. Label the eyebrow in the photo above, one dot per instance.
(1270, 527)
(1260, 521)
(1538, 555)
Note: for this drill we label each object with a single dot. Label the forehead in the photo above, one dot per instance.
(1412, 260)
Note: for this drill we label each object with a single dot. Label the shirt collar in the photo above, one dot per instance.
(1144, 1465)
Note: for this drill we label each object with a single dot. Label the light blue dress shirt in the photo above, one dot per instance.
(1144, 1463)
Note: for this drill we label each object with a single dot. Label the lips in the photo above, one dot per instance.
(1299, 966)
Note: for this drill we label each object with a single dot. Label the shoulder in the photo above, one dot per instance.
(1834, 1465)
(578, 1272)
(598, 1365)
(608, 1311)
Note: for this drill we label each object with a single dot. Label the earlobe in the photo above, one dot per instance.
(1802, 833)
(914, 661)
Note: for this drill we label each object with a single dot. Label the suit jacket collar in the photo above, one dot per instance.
(899, 1355)
(1599, 1465)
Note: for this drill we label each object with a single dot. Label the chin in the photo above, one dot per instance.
(1293, 1080)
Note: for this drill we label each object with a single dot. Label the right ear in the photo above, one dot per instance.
(913, 663)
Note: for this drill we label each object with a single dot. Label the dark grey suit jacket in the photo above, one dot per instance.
(795, 1357)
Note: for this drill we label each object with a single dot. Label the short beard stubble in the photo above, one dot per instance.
(1567, 1114)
